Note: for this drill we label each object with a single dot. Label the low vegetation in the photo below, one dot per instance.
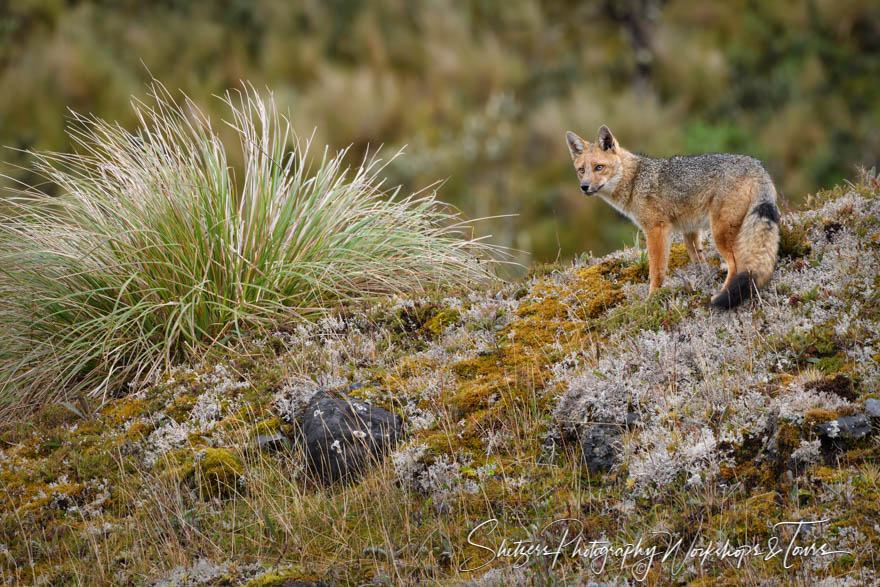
(717, 427)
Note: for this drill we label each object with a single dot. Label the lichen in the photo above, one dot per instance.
(715, 416)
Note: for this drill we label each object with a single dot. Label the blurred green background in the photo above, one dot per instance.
(481, 92)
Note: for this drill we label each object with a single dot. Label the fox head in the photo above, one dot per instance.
(598, 164)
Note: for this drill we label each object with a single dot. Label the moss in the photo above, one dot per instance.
(540, 270)
(213, 472)
(94, 463)
(819, 416)
(54, 415)
(441, 321)
(748, 468)
(554, 320)
(835, 363)
(218, 471)
(470, 368)
(280, 577)
(503, 390)
(788, 439)
(136, 431)
(752, 517)
(123, 410)
(863, 451)
(471, 398)
(50, 445)
(593, 290)
(181, 406)
(793, 241)
(270, 426)
(652, 313)
(236, 420)
(57, 499)
(826, 474)
(411, 319)
(820, 347)
(12, 433)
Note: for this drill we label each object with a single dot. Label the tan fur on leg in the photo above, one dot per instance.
(724, 238)
(658, 253)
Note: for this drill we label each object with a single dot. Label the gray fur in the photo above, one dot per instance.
(683, 176)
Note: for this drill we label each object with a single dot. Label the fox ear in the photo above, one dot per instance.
(575, 144)
(606, 140)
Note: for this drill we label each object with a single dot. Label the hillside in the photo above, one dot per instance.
(566, 402)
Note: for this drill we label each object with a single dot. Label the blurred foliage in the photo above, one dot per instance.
(481, 91)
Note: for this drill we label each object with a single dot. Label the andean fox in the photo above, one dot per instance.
(731, 194)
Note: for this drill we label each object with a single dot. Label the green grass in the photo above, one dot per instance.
(156, 247)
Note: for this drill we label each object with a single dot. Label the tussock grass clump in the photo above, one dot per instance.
(155, 247)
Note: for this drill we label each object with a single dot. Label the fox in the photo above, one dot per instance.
(733, 195)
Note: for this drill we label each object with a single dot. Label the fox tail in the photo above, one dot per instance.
(755, 249)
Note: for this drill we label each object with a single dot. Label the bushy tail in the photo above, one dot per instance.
(755, 249)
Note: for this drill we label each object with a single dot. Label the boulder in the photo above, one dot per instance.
(343, 437)
(846, 427)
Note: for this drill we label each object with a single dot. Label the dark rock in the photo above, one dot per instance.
(847, 427)
(597, 447)
(273, 442)
(872, 408)
(342, 436)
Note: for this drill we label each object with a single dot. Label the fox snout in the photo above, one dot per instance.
(589, 190)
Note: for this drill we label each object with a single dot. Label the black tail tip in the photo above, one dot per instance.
(739, 290)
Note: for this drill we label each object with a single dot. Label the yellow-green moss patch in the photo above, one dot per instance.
(281, 576)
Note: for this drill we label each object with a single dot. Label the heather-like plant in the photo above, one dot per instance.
(155, 248)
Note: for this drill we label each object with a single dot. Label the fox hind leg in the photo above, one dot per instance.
(745, 227)
(725, 235)
(693, 242)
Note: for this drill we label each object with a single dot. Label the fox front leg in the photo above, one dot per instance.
(657, 238)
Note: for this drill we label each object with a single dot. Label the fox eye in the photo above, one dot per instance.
(599, 167)
(581, 170)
